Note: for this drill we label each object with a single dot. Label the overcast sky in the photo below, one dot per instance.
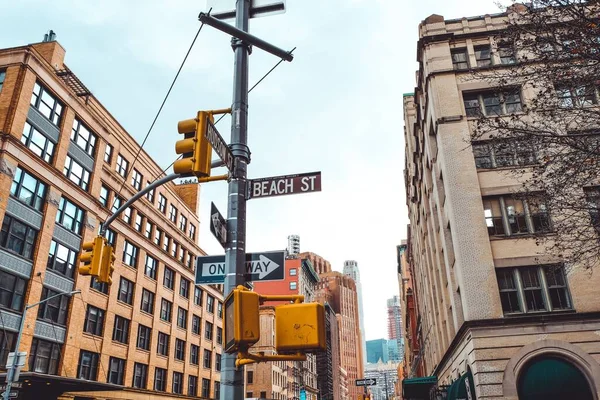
(337, 108)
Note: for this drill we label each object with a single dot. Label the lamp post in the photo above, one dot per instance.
(13, 369)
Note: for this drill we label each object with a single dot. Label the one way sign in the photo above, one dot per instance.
(265, 266)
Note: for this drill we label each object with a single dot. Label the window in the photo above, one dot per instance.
(88, 365)
(162, 203)
(28, 189)
(127, 215)
(263, 394)
(181, 254)
(173, 213)
(148, 230)
(531, 289)
(592, 197)
(177, 382)
(492, 103)
(192, 231)
(189, 259)
(507, 216)
(193, 386)
(44, 357)
(140, 376)
(94, 321)
(125, 291)
(499, 154)
(293, 285)
(116, 370)
(163, 344)
(37, 142)
(210, 304)
(483, 55)
(99, 286)
(174, 247)
(250, 377)
(111, 237)
(17, 237)
(83, 137)
(12, 291)
(61, 259)
(179, 350)
(143, 337)
(108, 151)
(197, 296)
(2, 76)
(182, 223)
(70, 216)
(207, 361)
(196, 324)
(117, 202)
(157, 236)
(121, 329)
(139, 219)
(580, 96)
(205, 388)
(147, 304)
(130, 254)
(166, 308)
(46, 103)
(218, 362)
(293, 272)
(208, 330)
(184, 288)
(219, 335)
(104, 192)
(219, 309)
(54, 310)
(182, 318)
(460, 58)
(160, 379)
(150, 194)
(166, 243)
(136, 179)
(150, 267)
(506, 53)
(169, 278)
(122, 165)
(194, 354)
(217, 390)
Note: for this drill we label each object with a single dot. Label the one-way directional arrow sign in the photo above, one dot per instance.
(265, 266)
(366, 382)
(218, 226)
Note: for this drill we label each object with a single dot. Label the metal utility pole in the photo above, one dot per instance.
(232, 378)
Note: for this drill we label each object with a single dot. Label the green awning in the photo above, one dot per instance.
(418, 388)
(458, 389)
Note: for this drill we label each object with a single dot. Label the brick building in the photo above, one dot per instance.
(498, 315)
(64, 158)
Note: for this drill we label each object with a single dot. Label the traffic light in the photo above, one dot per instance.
(107, 265)
(195, 149)
(90, 256)
(242, 324)
(300, 327)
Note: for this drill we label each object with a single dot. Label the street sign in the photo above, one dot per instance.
(366, 382)
(14, 385)
(219, 145)
(285, 184)
(265, 266)
(218, 225)
(225, 9)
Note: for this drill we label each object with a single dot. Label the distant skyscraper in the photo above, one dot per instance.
(395, 322)
(293, 245)
(383, 350)
(351, 270)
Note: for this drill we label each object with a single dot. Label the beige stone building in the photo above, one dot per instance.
(497, 319)
(65, 165)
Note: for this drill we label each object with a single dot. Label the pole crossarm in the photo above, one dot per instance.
(250, 358)
(213, 178)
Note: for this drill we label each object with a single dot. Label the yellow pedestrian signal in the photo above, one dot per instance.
(107, 265)
(300, 327)
(90, 256)
(195, 149)
(242, 324)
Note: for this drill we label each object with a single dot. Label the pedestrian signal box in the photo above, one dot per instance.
(300, 327)
(242, 323)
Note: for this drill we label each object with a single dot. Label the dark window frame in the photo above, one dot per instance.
(19, 184)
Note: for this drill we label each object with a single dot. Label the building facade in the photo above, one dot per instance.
(495, 310)
(351, 270)
(394, 314)
(386, 376)
(66, 164)
(328, 362)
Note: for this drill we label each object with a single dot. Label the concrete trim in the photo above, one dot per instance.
(565, 350)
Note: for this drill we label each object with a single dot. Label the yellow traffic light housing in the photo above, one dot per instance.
(90, 256)
(195, 149)
(300, 327)
(241, 323)
(107, 265)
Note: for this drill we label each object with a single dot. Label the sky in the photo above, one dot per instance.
(336, 108)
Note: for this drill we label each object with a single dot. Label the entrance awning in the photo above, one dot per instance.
(418, 388)
(458, 390)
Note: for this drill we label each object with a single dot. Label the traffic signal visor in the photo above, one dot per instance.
(300, 327)
(242, 324)
(90, 256)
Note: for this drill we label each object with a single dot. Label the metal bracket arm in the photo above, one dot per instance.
(213, 178)
(249, 358)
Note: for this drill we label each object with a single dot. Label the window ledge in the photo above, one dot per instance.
(121, 302)
(121, 344)
(539, 313)
(512, 167)
(520, 113)
(523, 236)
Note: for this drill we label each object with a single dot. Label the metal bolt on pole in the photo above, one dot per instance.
(232, 378)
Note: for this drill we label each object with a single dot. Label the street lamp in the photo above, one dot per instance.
(10, 375)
